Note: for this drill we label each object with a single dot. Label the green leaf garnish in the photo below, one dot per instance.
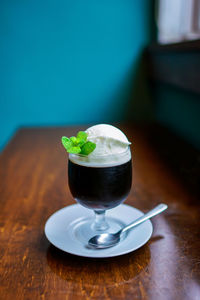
(67, 143)
(73, 139)
(87, 148)
(78, 144)
(82, 136)
(74, 150)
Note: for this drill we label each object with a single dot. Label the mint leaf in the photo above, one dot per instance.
(74, 150)
(74, 140)
(78, 144)
(87, 148)
(67, 143)
(81, 138)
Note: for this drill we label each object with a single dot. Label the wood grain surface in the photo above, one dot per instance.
(33, 185)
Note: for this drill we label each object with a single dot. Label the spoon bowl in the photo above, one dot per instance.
(106, 240)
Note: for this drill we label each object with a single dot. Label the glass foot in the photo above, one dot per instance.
(83, 229)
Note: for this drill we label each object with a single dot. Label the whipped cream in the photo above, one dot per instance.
(112, 147)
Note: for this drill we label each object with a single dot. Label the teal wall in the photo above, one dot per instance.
(179, 110)
(67, 62)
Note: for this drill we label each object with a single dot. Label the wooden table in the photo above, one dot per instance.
(33, 185)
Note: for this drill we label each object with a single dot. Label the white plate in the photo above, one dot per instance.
(59, 232)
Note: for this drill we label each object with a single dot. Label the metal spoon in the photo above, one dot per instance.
(106, 240)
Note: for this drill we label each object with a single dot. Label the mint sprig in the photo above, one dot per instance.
(87, 148)
(78, 144)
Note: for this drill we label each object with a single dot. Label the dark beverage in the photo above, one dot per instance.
(100, 187)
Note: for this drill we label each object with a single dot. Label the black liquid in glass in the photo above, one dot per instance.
(100, 187)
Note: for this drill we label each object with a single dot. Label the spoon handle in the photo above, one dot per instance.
(153, 212)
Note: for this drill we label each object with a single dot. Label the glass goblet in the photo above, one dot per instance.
(99, 183)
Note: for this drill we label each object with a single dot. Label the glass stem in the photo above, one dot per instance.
(100, 223)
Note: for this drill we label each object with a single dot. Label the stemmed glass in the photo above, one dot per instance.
(99, 183)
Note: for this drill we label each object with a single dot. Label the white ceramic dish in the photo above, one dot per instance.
(59, 231)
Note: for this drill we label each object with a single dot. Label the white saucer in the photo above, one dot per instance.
(58, 231)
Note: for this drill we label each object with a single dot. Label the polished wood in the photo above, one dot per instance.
(175, 64)
(33, 185)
